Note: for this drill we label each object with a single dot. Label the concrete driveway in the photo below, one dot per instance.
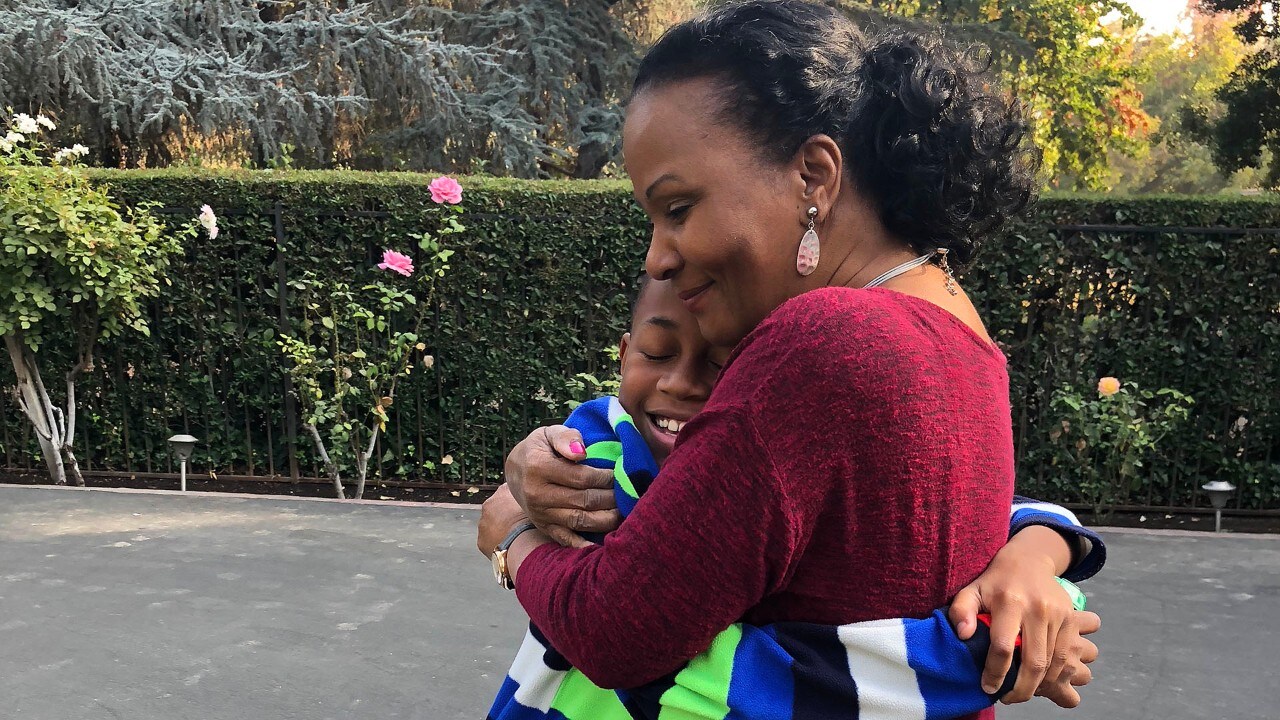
(166, 607)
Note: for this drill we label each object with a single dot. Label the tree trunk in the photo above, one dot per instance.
(328, 463)
(592, 157)
(69, 429)
(35, 404)
(75, 465)
(362, 464)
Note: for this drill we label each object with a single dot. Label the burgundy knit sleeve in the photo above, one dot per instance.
(719, 530)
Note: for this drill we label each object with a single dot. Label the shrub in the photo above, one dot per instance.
(538, 291)
(1107, 436)
(75, 269)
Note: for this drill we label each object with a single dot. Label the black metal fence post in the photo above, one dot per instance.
(282, 289)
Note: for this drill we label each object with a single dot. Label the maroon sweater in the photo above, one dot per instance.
(855, 462)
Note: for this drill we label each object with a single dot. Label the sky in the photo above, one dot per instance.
(1161, 16)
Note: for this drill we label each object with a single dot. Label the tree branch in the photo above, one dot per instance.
(329, 464)
(363, 464)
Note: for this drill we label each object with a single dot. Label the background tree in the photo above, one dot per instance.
(1243, 130)
(1069, 60)
(532, 88)
(520, 87)
(1182, 72)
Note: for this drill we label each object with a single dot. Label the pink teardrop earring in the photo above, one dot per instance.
(810, 249)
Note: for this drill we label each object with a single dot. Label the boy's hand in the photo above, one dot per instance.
(561, 496)
(1020, 591)
(1073, 654)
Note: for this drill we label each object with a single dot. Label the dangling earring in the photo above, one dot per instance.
(810, 250)
(946, 268)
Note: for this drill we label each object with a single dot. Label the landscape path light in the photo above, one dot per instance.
(182, 445)
(1220, 492)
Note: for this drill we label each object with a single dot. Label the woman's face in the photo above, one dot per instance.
(726, 220)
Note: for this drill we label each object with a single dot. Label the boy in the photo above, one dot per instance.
(668, 371)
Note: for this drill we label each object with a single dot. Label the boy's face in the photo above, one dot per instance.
(668, 368)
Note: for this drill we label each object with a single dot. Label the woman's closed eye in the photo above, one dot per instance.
(651, 357)
(677, 213)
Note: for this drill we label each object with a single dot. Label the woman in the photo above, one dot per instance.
(855, 460)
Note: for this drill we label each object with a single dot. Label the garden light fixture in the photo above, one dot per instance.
(182, 445)
(1219, 493)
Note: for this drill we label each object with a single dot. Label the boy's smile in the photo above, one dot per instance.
(668, 368)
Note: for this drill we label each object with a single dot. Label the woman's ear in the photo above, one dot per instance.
(622, 352)
(821, 167)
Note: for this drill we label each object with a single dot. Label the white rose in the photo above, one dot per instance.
(79, 150)
(25, 123)
(5, 145)
(209, 221)
(15, 137)
(45, 123)
(62, 154)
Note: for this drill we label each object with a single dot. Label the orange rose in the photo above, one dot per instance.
(1108, 386)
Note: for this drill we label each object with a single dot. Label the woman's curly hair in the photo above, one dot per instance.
(926, 134)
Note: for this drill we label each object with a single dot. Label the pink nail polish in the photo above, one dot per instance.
(577, 448)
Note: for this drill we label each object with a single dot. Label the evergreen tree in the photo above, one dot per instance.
(524, 87)
(529, 88)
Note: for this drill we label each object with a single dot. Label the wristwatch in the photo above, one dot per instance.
(500, 574)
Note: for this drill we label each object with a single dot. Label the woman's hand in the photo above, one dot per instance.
(1020, 590)
(499, 514)
(561, 496)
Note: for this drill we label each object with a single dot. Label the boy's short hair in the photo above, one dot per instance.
(641, 284)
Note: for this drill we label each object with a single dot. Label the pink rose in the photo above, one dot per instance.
(396, 262)
(445, 189)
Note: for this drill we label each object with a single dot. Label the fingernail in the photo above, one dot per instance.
(577, 448)
(988, 689)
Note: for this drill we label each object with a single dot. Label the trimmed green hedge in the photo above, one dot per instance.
(538, 291)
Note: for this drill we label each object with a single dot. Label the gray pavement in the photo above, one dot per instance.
(165, 607)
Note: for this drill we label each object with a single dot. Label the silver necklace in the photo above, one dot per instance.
(904, 267)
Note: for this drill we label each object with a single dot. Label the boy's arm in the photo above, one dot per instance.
(1019, 590)
(882, 668)
(1088, 551)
